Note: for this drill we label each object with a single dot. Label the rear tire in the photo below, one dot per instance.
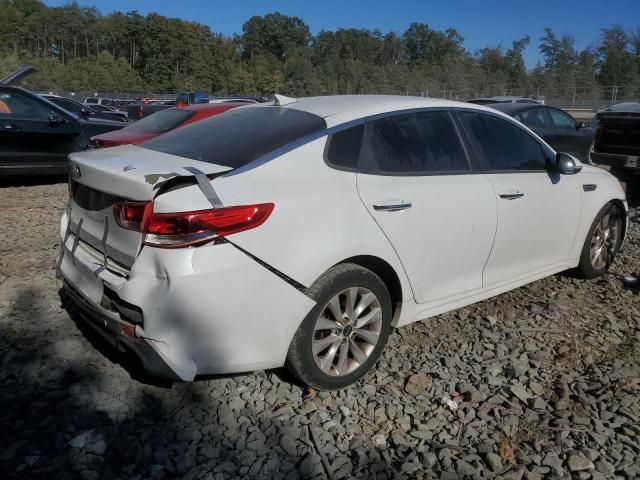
(344, 334)
(602, 243)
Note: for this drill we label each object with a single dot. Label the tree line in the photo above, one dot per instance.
(79, 48)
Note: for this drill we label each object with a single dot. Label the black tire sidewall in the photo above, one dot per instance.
(306, 368)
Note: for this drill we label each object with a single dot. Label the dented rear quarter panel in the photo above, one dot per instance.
(318, 219)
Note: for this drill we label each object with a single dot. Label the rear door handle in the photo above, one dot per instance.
(391, 207)
(511, 196)
(10, 127)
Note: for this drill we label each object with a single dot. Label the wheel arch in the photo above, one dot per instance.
(620, 204)
(387, 274)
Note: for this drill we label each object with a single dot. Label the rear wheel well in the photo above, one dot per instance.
(386, 273)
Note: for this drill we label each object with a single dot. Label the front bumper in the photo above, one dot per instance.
(205, 310)
(615, 160)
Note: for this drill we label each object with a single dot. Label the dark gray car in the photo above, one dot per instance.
(556, 127)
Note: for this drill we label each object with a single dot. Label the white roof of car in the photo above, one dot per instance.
(338, 109)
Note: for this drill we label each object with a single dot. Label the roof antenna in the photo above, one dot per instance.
(282, 100)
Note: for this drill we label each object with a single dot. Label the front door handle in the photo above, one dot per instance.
(10, 127)
(511, 196)
(392, 207)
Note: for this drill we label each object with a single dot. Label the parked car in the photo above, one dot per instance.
(111, 111)
(84, 110)
(36, 135)
(556, 127)
(617, 143)
(184, 99)
(506, 99)
(159, 123)
(302, 233)
(235, 98)
(98, 101)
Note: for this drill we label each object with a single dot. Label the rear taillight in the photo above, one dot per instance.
(183, 229)
(141, 111)
(132, 215)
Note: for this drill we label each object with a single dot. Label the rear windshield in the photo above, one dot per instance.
(161, 121)
(237, 137)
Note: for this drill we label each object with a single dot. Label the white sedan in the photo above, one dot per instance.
(301, 233)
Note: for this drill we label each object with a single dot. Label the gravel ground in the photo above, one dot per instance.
(541, 382)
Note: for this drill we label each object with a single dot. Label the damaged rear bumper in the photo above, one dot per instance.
(206, 310)
(120, 335)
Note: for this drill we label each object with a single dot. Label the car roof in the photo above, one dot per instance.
(515, 108)
(624, 107)
(351, 107)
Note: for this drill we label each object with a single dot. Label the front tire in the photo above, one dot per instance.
(344, 334)
(602, 242)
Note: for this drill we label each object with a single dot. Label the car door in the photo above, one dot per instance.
(568, 135)
(415, 179)
(33, 134)
(538, 211)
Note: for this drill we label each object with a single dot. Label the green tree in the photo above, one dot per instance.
(275, 34)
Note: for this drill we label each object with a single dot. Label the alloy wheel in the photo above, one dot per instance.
(604, 241)
(347, 331)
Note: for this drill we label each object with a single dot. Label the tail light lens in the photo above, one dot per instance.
(132, 215)
(141, 112)
(183, 229)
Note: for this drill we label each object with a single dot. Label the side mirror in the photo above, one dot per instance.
(55, 119)
(85, 113)
(566, 164)
(582, 125)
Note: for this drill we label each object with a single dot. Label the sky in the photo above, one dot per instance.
(481, 22)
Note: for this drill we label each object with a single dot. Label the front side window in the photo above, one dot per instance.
(413, 143)
(502, 146)
(534, 118)
(561, 119)
(14, 105)
(239, 136)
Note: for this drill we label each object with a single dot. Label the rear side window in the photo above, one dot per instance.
(414, 143)
(237, 137)
(501, 145)
(343, 148)
(161, 121)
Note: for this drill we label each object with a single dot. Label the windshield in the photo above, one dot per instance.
(161, 121)
(68, 105)
(237, 137)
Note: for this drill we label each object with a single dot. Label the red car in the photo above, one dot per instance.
(159, 123)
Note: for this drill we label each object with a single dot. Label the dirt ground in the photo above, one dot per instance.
(541, 382)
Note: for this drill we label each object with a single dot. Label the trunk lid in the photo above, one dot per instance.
(100, 178)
